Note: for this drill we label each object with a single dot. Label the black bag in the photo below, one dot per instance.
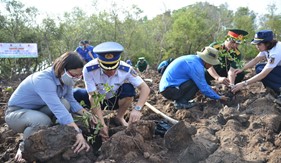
(162, 127)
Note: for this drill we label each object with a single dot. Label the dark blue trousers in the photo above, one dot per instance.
(125, 90)
(273, 79)
(182, 94)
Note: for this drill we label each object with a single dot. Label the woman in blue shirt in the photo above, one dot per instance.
(46, 94)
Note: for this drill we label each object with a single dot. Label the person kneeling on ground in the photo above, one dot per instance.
(163, 65)
(44, 95)
(142, 65)
(186, 75)
(119, 77)
(268, 73)
(230, 57)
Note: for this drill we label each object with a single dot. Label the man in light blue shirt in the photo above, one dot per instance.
(186, 75)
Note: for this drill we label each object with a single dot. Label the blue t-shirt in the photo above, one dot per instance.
(163, 64)
(84, 53)
(184, 68)
(44, 88)
(90, 48)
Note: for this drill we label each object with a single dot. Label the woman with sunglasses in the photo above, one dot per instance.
(44, 95)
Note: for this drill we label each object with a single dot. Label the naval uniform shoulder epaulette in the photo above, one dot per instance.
(93, 67)
(124, 68)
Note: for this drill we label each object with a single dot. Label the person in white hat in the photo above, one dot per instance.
(186, 75)
(108, 69)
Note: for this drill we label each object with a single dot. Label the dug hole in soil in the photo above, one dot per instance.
(244, 129)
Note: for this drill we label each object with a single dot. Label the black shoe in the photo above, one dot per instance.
(186, 105)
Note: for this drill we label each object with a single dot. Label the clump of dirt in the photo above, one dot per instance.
(244, 129)
(54, 144)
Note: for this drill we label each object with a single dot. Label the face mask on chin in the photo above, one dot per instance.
(68, 79)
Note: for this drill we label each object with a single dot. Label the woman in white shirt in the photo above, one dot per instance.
(269, 73)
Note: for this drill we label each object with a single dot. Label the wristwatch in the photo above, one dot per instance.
(79, 131)
(138, 108)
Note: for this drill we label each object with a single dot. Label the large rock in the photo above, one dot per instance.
(178, 140)
(178, 137)
(54, 144)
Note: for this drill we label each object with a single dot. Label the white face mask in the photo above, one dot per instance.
(67, 79)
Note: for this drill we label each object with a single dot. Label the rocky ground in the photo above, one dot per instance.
(244, 129)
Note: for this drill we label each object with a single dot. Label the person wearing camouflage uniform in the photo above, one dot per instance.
(230, 58)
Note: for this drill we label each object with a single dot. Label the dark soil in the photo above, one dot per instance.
(244, 129)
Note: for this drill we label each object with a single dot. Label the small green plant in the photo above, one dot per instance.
(92, 138)
(226, 56)
(99, 98)
(9, 89)
(82, 103)
(86, 117)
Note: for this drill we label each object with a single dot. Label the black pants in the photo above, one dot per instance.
(182, 94)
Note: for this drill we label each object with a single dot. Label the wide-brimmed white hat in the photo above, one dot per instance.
(210, 55)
